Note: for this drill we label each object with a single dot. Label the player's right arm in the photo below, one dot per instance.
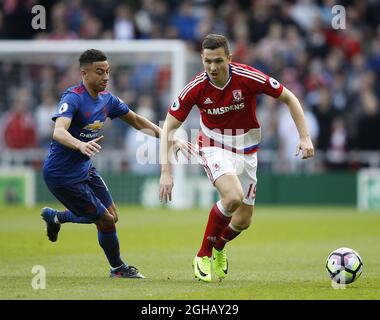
(166, 148)
(63, 136)
(177, 114)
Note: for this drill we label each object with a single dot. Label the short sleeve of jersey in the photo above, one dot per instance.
(67, 106)
(118, 108)
(182, 106)
(271, 87)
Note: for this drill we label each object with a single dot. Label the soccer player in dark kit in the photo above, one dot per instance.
(68, 170)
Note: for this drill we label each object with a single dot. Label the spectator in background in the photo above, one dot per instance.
(60, 24)
(2, 31)
(267, 110)
(17, 19)
(305, 12)
(124, 28)
(374, 58)
(19, 126)
(293, 47)
(75, 13)
(259, 21)
(43, 116)
(144, 75)
(273, 45)
(288, 137)
(160, 19)
(90, 28)
(142, 151)
(185, 21)
(210, 23)
(103, 10)
(336, 152)
(46, 79)
(144, 19)
(316, 40)
(339, 98)
(8, 73)
(324, 114)
(369, 123)
(69, 77)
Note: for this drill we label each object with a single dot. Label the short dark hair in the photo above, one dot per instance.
(215, 41)
(91, 56)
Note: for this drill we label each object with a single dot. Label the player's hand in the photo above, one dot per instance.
(91, 147)
(306, 146)
(186, 148)
(166, 187)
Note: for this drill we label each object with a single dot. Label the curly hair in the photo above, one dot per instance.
(91, 56)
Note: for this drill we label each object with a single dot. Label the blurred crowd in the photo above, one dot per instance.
(334, 73)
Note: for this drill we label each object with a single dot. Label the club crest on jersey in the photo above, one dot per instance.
(237, 95)
(95, 126)
(216, 166)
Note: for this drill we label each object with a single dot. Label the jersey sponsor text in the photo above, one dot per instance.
(223, 110)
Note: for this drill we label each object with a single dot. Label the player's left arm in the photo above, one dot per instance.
(140, 123)
(149, 128)
(305, 145)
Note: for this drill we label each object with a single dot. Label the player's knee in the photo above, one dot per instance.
(106, 222)
(246, 223)
(115, 217)
(243, 224)
(113, 211)
(233, 201)
(243, 219)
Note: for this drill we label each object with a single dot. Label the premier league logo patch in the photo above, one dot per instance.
(175, 106)
(274, 83)
(237, 95)
(63, 108)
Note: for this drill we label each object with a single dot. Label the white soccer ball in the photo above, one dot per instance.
(344, 265)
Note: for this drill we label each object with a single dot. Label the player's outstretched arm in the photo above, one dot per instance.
(149, 128)
(166, 149)
(305, 145)
(64, 137)
(140, 123)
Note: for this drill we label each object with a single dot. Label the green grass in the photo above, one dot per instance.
(281, 256)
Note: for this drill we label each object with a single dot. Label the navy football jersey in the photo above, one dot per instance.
(64, 165)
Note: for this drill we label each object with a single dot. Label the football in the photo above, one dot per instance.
(344, 265)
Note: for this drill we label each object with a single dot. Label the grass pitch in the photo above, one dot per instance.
(282, 255)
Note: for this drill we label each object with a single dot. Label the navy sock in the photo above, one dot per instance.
(68, 216)
(110, 243)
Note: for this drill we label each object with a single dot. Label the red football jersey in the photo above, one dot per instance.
(232, 107)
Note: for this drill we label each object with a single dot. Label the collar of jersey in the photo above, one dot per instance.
(228, 81)
(85, 89)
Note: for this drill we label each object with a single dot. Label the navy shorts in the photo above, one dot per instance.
(88, 198)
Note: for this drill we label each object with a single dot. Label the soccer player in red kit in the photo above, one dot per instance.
(229, 137)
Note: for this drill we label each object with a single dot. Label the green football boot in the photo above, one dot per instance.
(202, 268)
(220, 263)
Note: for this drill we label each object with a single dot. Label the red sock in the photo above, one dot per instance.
(227, 235)
(217, 221)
